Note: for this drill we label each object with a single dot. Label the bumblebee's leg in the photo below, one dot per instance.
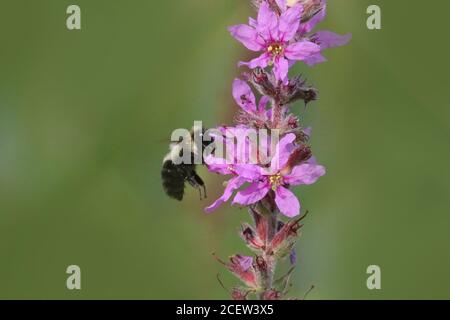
(195, 181)
(192, 181)
(202, 184)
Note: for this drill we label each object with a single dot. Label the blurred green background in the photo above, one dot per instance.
(85, 117)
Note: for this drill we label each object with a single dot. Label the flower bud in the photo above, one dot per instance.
(284, 240)
(249, 119)
(301, 154)
(261, 225)
(272, 3)
(293, 122)
(295, 90)
(310, 7)
(242, 268)
(253, 241)
(262, 271)
(272, 295)
(239, 294)
(263, 82)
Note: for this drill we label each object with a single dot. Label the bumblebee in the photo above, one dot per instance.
(174, 176)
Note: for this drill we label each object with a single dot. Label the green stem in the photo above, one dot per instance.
(276, 117)
(272, 222)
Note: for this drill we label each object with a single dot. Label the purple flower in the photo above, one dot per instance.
(242, 267)
(278, 177)
(274, 35)
(236, 152)
(225, 167)
(325, 39)
(231, 185)
(244, 97)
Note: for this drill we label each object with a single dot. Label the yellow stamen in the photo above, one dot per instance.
(276, 181)
(275, 49)
(291, 3)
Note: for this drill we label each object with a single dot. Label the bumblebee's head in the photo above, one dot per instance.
(202, 136)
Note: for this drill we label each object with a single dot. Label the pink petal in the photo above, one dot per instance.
(254, 193)
(282, 152)
(232, 185)
(301, 50)
(246, 35)
(289, 22)
(328, 39)
(267, 21)
(281, 69)
(315, 59)
(305, 174)
(250, 172)
(262, 61)
(287, 202)
(264, 147)
(238, 146)
(244, 95)
(312, 160)
(269, 113)
(263, 103)
(217, 165)
(281, 4)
